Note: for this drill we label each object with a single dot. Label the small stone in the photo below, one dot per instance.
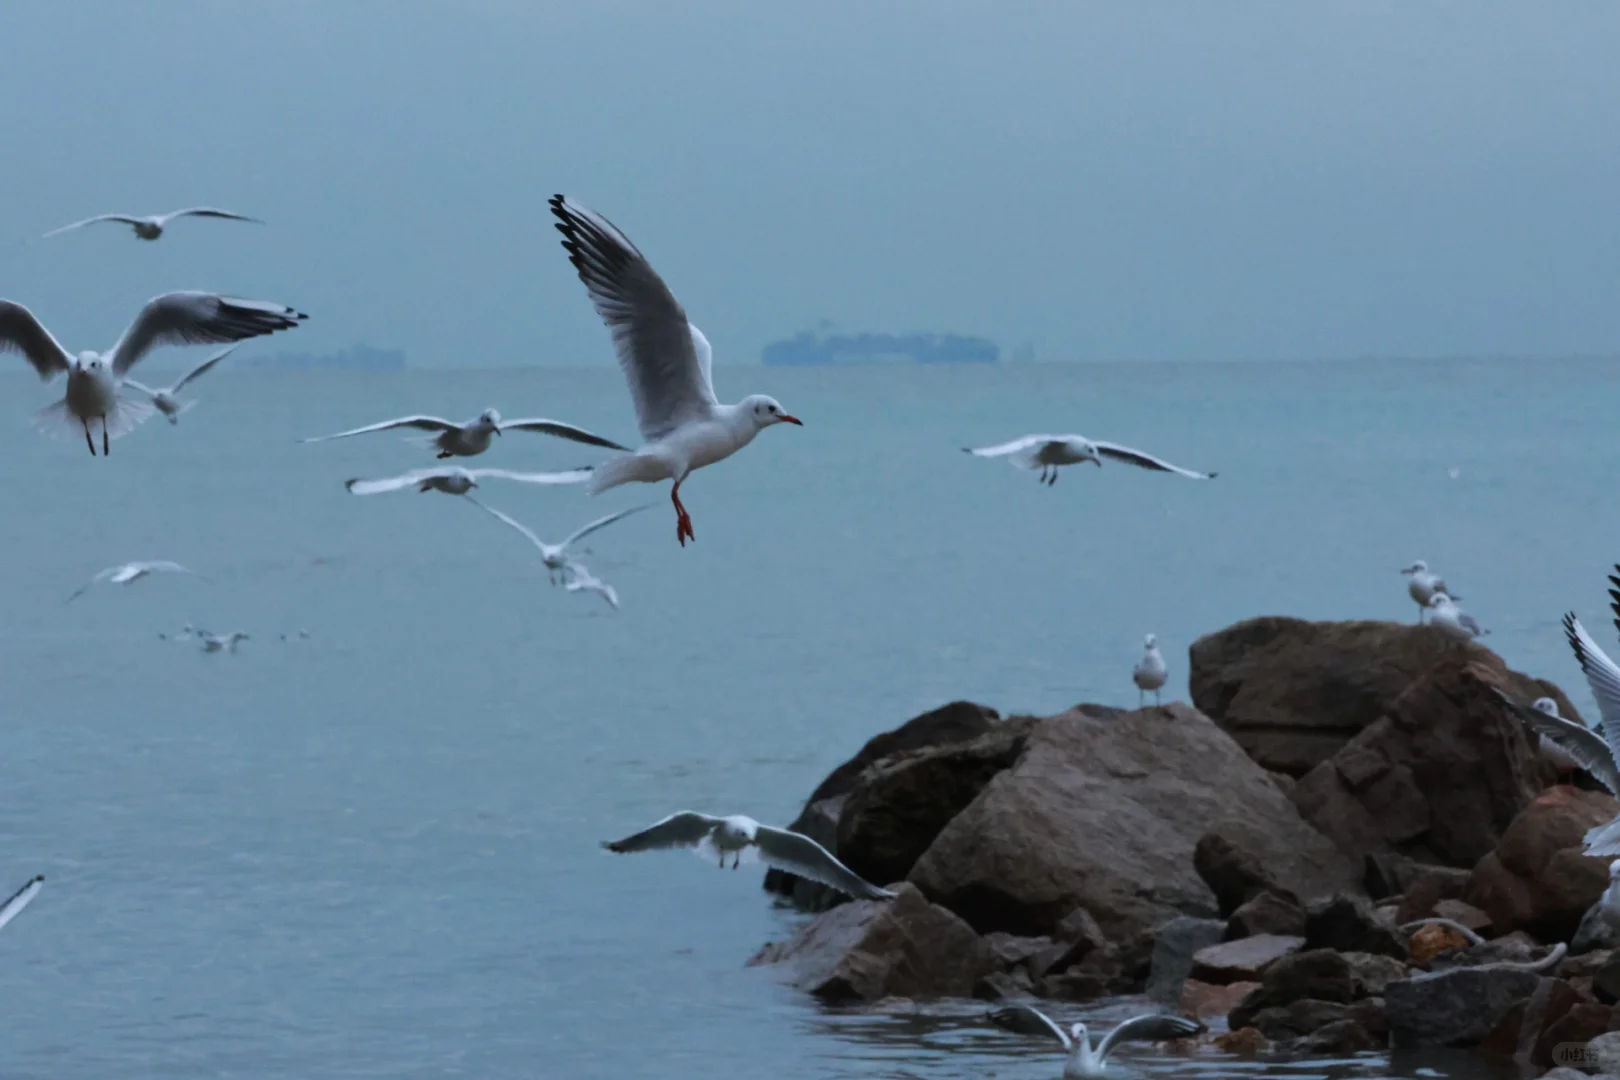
(1004, 985)
(1349, 924)
(1246, 1041)
(1244, 960)
(1432, 940)
(1371, 972)
(1268, 913)
(1340, 1037)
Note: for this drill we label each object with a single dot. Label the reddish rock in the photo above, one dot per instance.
(1545, 1007)
(1206, 1001)
(1320, 975)
(1243, 1041)
(1430, 941)
(1537, 879)
(1244, 960)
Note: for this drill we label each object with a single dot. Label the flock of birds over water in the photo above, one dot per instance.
(666, 363)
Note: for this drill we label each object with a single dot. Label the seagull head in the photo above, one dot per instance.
(1546, 705)
(767, 411)
(490, 420)
(1419, 567)
(1439, 599)
(1151, 641)
(88, 361)
(1081, 1037)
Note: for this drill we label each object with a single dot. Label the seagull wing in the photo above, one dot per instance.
(198, 318)
(21, 333)
(1028, 446)
(581, 578)
(200, 369)
(1149, 1028)
(600, 523)
(568, 476)
(562, 431)
(1587, 747)
(1469, 623)
(801, 855)
(393, 483)
(683, 830)
(426, 423)
(1028, 1020)
(664, 358)
(206, 211)
(519, 526)
(1601, 676)
(125, 218)
(142, 387)
(1146, 461)
(21, 899)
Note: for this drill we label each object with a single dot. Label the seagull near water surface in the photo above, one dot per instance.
(151, 226)
(1086, 1063)
(555, 556)
(454, 480)
(665, 359)
(131, 572)
(94, 379)
(473, 437)
(1049, 453)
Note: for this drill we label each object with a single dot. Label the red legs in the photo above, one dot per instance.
(88, 441)
(444, 454)
(683, 520)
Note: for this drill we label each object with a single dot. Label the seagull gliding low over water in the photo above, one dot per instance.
(472, 438)
(1049, 453)
(454, 480)
(1084, 1062)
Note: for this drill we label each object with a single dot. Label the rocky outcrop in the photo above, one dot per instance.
(1460, 1007)
(1175, 943)
(1537, 878)
(1349, 924)
(1103, 811)
(1244, 960)
(1439, 777)
(870, 949)
(1268, 913)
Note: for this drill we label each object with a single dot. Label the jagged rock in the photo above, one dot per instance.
(1454, 1008)
(1244, 960)
(1078, 927)
(1547, 1005)
(871, 949)
(1349, 924)
(1233, 873)
(1004, 986)
(1244, 1041)
(1321, 975)
(1594, 932)
(1267, 913)
(1390, 875)
(1606, 981)
(1174, 945)
(1205, 1001)
(1342, 1037)
(1104, 814)
(1585, 964)
(1371, 972)
(1014, 951)
(1537, 879)
(1372, 1015)
(1580, 1025)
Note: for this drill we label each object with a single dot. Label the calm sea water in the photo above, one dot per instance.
(374, 852)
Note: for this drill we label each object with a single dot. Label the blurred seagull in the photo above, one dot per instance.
(21, 899)
(1150, 672)
(1452, 620)
(555, 556)
(740, 836)
(1084, 1062)
(454, 480)
(164, 399)
(151, 227)
(219, 642)
(129, 573)
(580, 578)
(177, 318)
(1424, 585)
(666, 361)
(1048, 453)
(472, 438)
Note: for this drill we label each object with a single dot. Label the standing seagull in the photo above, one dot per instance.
(738, 836)
(1085, 1063)
(666, 361)
(555, 556)
(1452, 620)
(1150, 672)
(129, 573)
(454, 480)
(151, 226)
(1424, 585)
(580, 578)
(1048, 453)
(472, 438)
(177, 318)
(164, 399)
(21, 899)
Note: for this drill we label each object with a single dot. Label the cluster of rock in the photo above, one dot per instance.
(1252, 859)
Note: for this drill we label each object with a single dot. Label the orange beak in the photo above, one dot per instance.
(786, 419)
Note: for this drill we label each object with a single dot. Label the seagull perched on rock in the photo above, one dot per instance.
(1084, 1062)
(151, 226)
(1424, 584)
(129, 573)
(454, 480)
(21, 899)
(93, 379)
(1049, 453)
(1150, 672)
(165, 399)
(472, 438)
(740, 836)
(1453, 621)
(581, 579)
(555, 556)
(666, 361)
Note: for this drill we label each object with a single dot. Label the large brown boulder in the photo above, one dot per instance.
(1293, 692)
(1103, 811)
(1440, 777)
(870, 949)
(1537, 878)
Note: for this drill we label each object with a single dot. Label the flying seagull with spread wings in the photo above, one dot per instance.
(1049, 453)
(473, 437)
(1086, 1063)
(151, 226)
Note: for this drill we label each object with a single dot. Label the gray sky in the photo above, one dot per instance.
(1174, 181)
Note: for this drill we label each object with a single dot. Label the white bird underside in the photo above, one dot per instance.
(1047, 451)
(780, 848)
(21, 899)
(440, 425)
(1084, 1061)
(158, 221)
(580, 579)
(553, 553)
(428, 479)
(130, 572)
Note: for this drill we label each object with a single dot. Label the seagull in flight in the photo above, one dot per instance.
(222, 642)
(581, 579)
(555, 556)
(740, 836)
(151, 227)
(165, 399)
(21, 899)
(454, 480)
(1084, 1062)
(129, 573)
(666, 361)
(93, 379)
(472, 438)
(1048, 453)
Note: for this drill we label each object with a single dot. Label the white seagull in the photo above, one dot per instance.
(151, 226)
(1452, 620)
(1084, 1062)
(580, 578)
(177, 318)
(740, 836)
(129, 573)
(1150, 672)
(1048, 453)
(555, 556)
(165, 399)
(21, 899)
(1609, 902)
(665, 359)
(221, 642)
(1424, 584)
(1551, 752)
(454, 480)
(472, 438)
